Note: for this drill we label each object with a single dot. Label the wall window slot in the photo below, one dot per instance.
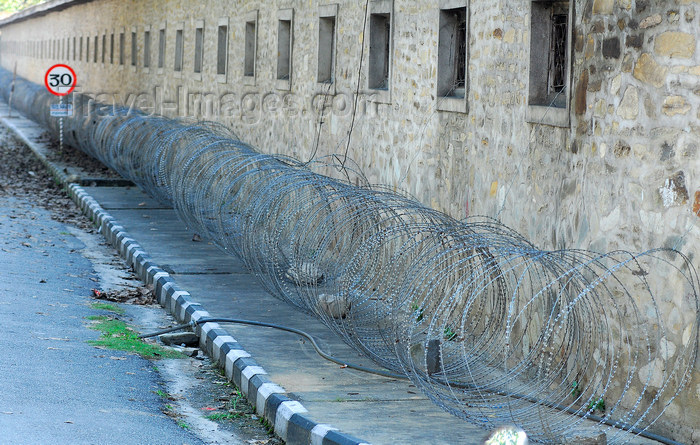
(284, 49)
(147, 49)
(379, 51)
(111, 48)
(550, 62)
(133, 48)
(326, 43)
(122, 48)
(80, 50)
(179, 48)
(549, 54)
(198, 48)
(452, 53)
(222, 49)
(250, 47)
(161, 48)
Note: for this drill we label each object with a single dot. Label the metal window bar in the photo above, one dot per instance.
(557, 53)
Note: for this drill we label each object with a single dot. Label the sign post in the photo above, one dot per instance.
(60, 80)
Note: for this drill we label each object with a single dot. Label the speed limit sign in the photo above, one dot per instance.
(60, 80)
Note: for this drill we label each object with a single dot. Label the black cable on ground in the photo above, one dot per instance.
(299, 332)
(193, 324)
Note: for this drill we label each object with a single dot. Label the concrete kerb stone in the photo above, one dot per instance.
(283, 413)
(171, 303)
(124, 245)
(230, 360)
(263, 393)
(217, 354)
(182, 310)
(141, 263)
(161, 289)
(132, 253)
(246, 375)
(319, 432)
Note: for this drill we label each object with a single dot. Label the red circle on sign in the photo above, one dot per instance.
(50, 88)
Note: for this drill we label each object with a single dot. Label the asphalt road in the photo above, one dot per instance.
(54, 387)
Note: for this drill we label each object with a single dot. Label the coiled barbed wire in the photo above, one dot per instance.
(491, 328)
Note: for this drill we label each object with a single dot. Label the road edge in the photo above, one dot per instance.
(285, 415)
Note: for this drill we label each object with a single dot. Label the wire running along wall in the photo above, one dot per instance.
(491, 328)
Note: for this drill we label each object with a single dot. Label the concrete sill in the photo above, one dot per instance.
(555, 117)
(452, 104)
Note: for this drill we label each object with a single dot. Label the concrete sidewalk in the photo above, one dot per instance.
(304, 397)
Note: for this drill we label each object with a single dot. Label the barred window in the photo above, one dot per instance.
(557, 53)
(549, 53)
(452, 53)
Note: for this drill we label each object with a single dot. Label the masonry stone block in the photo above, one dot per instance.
(611, 48)
(675, 105)
(674, 191)
(581, 88)
(629, 106)
(650, 21)
(634, 41)
(675, 44)
(648, 70)
(603, 6)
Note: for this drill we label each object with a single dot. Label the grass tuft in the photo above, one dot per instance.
(118, 336)
(108, 307)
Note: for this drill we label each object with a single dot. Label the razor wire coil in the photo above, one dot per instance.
(491, 328)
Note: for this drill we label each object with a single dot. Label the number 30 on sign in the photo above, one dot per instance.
(60, 80)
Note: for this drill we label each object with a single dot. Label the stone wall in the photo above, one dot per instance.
(623, 174)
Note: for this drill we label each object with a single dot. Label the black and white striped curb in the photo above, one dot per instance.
(287, 416)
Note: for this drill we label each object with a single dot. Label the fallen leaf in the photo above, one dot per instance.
(117, 358)
(208, 408)
(7, 412)
(55, 349)
(68, 421)
(141, 204)
(26, 245)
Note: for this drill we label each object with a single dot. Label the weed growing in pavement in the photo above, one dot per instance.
(597, 405)
(270, 429)
(182, 424)
(224, 416)
(108, 307)
(97, 317)
(576, 390)
(117, 335)
(449, 334)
